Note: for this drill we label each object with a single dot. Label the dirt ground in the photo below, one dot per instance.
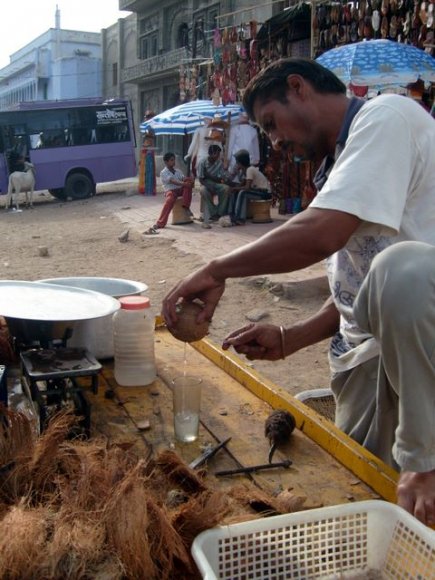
(82, 240)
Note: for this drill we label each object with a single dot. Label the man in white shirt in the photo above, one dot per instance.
(198, 148)
(374, 219)
(255, 186)
(243, 136)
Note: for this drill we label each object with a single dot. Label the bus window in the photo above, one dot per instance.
(101, 133)
(36, 141)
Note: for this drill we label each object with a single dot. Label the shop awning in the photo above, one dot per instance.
(295, 21)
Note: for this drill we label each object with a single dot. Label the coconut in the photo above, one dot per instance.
(186, 328)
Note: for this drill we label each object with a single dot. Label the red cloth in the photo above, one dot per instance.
(358, 91)
(170, 198)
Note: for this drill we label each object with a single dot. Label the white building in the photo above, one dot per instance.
(58, 64)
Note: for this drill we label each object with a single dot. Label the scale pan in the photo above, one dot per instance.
(51, 302)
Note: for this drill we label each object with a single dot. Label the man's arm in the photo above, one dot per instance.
(175, 181)
(264, 341)
(323, 324)
(304, 240)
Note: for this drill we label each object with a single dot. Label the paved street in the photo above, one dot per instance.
(140, 212)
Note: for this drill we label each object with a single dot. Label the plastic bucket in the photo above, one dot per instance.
(97, 335)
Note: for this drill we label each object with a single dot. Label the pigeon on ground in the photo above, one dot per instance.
(123, 237)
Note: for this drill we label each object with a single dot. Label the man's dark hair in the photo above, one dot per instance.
(271, 83)
(214, 149)
(242, 157)
(168, 155)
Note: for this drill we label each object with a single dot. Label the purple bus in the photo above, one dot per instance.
(73, 144)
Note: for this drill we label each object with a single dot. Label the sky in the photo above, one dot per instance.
(21, 21)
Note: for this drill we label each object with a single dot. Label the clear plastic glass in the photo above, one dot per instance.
(187, 404)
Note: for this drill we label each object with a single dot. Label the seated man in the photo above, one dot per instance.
(212, 177)
(174, 185)
(256, 186)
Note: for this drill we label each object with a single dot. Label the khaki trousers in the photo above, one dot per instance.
(207, 191)
(388, 403)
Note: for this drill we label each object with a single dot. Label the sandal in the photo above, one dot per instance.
(151, 231)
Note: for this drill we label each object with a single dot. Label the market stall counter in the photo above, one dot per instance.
(118, 493)
(235, 404)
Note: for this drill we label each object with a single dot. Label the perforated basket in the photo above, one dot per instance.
(365, 540)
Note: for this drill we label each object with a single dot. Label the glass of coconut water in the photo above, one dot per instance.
(187, 403)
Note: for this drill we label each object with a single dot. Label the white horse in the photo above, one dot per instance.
(22, 181)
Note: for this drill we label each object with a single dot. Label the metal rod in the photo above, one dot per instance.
(231, 454)
(208, 454)
(253, 468)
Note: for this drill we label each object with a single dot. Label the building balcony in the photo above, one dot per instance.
(156, 66)
(135, 5)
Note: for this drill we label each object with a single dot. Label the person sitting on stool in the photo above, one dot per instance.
(213, 177)
(256, 187)
(175, 185)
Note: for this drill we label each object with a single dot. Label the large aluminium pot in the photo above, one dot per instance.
(97, 335)
(39, 313)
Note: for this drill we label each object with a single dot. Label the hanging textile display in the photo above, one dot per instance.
(147, 162)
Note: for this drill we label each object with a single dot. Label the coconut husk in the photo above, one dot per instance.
(90, 470)
(93, 510)
(77, 545)
(167, 546)
(16, 449)
(34, 473)
(23, 533)
(200, 513)
(288, 502)
(265, 504)
(179, 473)
(43, 463)
(126, 521)
(15, 436)
(140, 531)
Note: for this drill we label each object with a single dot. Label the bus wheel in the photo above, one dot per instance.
(58, 193)
(79, 186)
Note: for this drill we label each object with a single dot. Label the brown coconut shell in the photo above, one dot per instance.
(186, 328)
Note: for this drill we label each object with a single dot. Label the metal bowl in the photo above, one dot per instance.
(42, 312)
(97, 335)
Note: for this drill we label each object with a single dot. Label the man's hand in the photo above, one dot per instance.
(201, 284)
(256, 341)
(416, 494)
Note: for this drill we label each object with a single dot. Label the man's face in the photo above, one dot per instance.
(288, 126)
(214, 156)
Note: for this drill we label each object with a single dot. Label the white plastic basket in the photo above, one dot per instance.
(365, 540)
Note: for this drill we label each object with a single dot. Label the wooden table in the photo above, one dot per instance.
(328, 467)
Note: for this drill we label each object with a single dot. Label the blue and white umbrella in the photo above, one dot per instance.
(379, 62)
(187, 117)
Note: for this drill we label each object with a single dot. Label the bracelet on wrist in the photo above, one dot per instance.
(282, 332)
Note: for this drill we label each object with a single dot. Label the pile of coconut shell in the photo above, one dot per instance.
(88, 509)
